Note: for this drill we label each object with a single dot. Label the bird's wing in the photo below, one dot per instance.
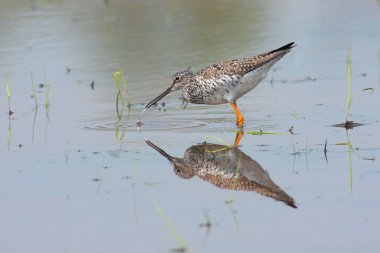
(242, 66)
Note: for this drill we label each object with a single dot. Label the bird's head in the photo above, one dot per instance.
(182, 169)
(179, 80)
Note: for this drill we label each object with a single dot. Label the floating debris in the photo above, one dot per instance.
(369, 89)
(369, 158)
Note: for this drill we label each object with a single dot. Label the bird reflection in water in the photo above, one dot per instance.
(227, 167)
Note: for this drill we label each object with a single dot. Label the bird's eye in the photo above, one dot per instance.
(178, 170)
(177, 78)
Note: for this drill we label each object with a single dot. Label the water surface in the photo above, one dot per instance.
(68, 184)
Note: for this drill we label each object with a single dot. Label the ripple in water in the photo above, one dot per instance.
(148, 125)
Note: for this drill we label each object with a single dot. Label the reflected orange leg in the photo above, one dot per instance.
(239, 116)
(239, 136)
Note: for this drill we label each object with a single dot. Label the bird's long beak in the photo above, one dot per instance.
(163, 94)
(163, 153)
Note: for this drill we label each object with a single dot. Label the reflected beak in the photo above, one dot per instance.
(163, 153)
(163, 94)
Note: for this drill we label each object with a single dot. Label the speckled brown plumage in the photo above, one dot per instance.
(244, 65)
(224, 82)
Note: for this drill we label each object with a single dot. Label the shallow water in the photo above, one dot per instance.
(68, 184)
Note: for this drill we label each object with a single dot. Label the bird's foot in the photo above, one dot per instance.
(240, 123)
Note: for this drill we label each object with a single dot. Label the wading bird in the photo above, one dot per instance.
(224, 82)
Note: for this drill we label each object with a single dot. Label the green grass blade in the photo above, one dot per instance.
(262, 133)
(119, 111)
(9, 135)
(119, 79)
(7, 85)
(124, 82)
(230, 200)
(34, 123)
(123, 134)
(350, 165)
(350, 161)
(47, 91)
(218, 139)
(342, 144)
(8, 94)
(349, 98)
(116, 76)
(47, 103)
(180, 241)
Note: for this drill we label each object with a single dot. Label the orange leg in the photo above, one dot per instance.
(239, 136)
(239, 116)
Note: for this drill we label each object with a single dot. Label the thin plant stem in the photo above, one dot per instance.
(47, 103)
(230, 201)
(8, 94)
(218, 139)
(119, 76)
(34, 122)
(349, 160)
(180, 241)
(34, 90)
(9, 134)
(349, 98)
(9, 111)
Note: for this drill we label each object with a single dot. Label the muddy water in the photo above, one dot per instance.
(76, 179)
